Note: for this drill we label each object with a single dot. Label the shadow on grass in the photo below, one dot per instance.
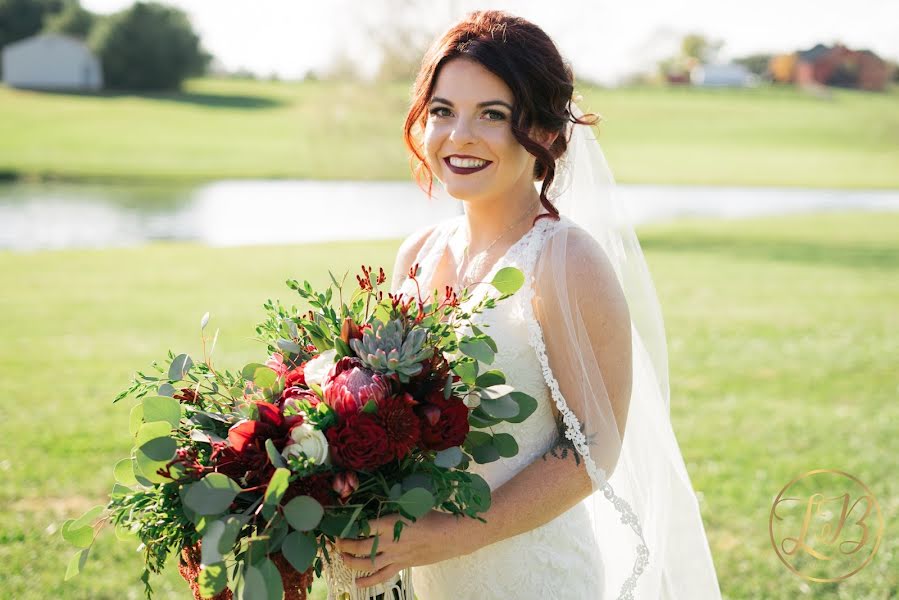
(860, 257)
(207, 100)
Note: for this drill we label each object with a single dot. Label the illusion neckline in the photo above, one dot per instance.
(499, 261)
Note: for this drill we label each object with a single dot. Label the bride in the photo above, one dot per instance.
(597, 504)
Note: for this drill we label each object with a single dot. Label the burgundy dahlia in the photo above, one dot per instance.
(400, 423)
(350, 385)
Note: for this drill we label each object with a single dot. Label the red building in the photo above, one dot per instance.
(834, 66)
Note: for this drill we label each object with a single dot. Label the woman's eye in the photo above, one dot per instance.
(436, 111)
(496, 115)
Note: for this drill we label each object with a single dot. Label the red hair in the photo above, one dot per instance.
(527, 60)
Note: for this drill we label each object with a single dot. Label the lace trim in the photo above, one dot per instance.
(573, 429)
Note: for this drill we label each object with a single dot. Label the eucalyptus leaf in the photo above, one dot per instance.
(212, 579)
(273, 455)
(497, 391)
(162, 408)
(180, 366)
(485, 454)
(299, 549)
(88, 518)
(76, 563)
(508, 280)
(448, 458)
(304, 513)
(478, 418)
(264, 377)
(416, 502)
(81, 536)
(136, 418)
(288, 346)
(477, 438)
(477, 349)
(151, 431)
(505, 444)
(166, 389)
(154, 455)
(209, 549)
(489, 378)
(467, 371)
(250, 370)
(503, 407)
(233, 525)
(211, 495)
(526, 406)
(277, 485)
(119, 490)
(274, 585)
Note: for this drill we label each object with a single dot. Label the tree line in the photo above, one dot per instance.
(147, 46)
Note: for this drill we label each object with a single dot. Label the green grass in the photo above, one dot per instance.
(783, 338)
(327, 130)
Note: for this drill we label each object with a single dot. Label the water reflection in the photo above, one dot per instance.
(36, 216)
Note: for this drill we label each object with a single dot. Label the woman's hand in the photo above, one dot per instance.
(432, 538)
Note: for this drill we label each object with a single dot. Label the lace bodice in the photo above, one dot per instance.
(558, 559)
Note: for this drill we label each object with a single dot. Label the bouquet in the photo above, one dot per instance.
(369, 406)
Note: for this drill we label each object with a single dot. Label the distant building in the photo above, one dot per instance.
(722, 75)
(51, 61)
(833, 66)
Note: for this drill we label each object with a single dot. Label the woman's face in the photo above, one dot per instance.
(469, 120)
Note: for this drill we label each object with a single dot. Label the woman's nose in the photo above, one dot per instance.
(461, 132)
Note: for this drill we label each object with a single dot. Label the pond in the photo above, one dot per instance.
(48, 216)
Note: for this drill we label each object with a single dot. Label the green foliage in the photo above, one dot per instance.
(73, 20)
(148, 46)
(23, 18)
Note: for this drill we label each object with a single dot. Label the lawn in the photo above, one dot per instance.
(783, 339)
(330, 130)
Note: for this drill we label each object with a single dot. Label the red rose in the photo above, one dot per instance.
(350, 385)
(295, 377)
(396, 416)
(449, 428)
(359, 443)
(245, 459)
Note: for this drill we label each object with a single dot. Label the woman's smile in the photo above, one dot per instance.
(465, 165)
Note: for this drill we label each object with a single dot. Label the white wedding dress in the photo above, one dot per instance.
(558, 559)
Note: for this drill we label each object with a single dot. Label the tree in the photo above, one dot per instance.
(699, 47)
(20, 19)
(148, 46)
(756, 63)
(73, 20)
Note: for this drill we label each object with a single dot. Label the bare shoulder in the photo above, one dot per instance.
(407, 252)
(588, 272)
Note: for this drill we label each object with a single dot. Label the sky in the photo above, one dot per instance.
(604, 40)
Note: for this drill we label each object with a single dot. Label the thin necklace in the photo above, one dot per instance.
(466, 279)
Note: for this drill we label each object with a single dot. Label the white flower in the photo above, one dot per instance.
(315, 370)
(309, 441)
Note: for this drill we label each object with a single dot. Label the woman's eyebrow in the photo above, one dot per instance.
(479, 105)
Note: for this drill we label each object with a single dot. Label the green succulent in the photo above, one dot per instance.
(384, 349)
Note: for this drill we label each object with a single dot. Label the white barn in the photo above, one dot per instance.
(51, 61)
(722, 75)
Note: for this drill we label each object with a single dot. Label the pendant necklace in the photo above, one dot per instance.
(466, 279)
